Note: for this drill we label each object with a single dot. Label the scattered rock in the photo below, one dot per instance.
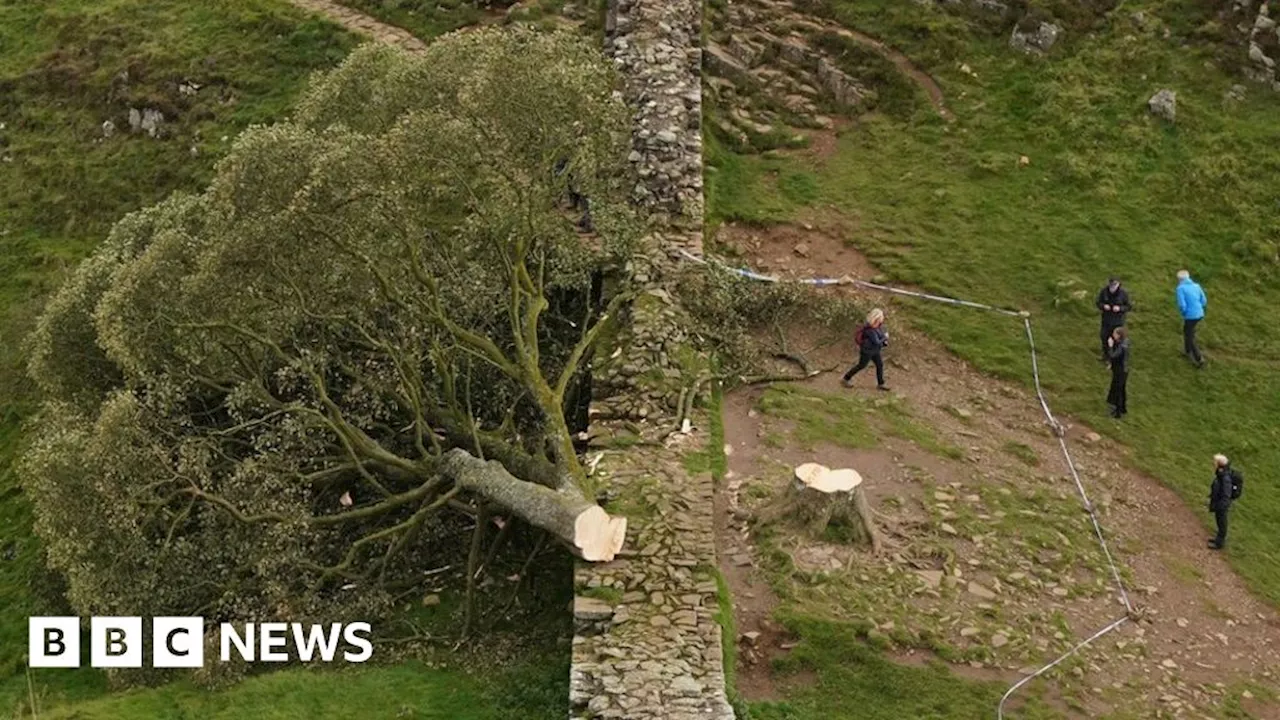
(999, 640)
(1093, 437)
(979, 591)
(751, 636)
(147, 120)
(932, 578)
(1164, 104)
(431, 600)
(1036, 41)
(108, 129)
(802, 249)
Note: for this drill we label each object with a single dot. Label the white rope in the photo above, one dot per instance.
(1057, 427)
(1071, 465)
(1050, 666)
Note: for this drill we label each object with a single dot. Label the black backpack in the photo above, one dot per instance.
(859, 334)
(1237, 483)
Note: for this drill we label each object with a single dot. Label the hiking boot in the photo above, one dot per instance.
(1215, 546)
(847, 382)
(884, 388)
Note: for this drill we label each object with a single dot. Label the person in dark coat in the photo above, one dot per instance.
(1220, 499)
(1118, 360)
(873, 341)
(1113, 303)
(577, 201)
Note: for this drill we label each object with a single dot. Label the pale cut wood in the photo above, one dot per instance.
(589, 531)
(820, 496)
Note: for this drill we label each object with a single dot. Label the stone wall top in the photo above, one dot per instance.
(657, 48)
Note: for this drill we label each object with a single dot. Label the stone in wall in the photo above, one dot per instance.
(656, 47)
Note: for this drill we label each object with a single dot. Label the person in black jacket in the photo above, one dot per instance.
(1113, 303)
(873, 339)
(1220, 498)
(1118, 360)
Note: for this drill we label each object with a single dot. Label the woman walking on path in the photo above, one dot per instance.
(1118, 359)
(870, 338)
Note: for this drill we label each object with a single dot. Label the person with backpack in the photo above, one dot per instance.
(1228, 485)
(871, 338)
(1113, 302)
(1191, 303)
(1118, 360)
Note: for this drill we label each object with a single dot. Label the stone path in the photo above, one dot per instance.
(358, 22)
(647, 644)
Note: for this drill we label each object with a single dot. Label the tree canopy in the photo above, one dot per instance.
(263, 396)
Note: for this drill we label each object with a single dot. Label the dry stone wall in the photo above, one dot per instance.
(646, 644)
(656, 46)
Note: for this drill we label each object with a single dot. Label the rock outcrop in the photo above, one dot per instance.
(1035, 38)
(1164, 105)
(1264, 45)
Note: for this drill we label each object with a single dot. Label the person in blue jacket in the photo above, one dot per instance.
(1191, 303)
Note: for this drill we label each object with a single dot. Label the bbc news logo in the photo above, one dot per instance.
(178, 642)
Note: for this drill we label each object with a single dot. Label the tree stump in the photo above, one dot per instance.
(820, 496)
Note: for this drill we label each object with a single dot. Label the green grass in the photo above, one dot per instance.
(1022, 452)
(408, 690)
(848, 679)
(66, 67)
(711, 458)
(849, 420)
(1108, 190)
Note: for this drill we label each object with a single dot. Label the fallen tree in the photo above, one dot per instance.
(356, 340)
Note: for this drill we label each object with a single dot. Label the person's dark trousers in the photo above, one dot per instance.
(864, 358)
(1220, 516)
(1189, 340)
(1104, 334)
(1117, 396)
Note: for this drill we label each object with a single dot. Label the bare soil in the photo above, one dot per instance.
(1199, 634)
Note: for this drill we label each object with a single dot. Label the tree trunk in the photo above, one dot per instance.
(584, 526)
(821, 496)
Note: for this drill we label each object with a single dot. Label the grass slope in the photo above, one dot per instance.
(840, 677)
(66, 66)
(409, 690)
(1109, 189)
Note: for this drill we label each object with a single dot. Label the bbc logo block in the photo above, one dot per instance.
(53, 642)
(178, 642)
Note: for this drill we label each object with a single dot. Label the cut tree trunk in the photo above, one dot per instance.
(590, 532)
(821, 496)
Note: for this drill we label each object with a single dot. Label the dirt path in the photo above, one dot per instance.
(1202, 636)
(904, 65)
(358, 22)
